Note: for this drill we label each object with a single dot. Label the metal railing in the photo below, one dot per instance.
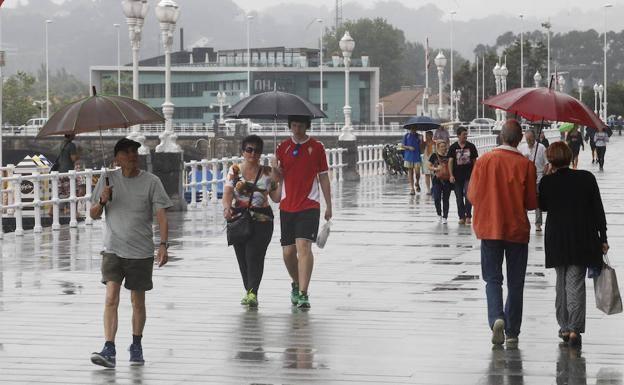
(204, 179)
(29, 195)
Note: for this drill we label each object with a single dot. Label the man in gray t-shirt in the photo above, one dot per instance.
(130, 198)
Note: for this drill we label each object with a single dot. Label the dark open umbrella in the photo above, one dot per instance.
(99, 112)
(274, 105)
(421, 123)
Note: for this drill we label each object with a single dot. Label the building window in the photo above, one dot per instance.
(147, 91)
(316, 83)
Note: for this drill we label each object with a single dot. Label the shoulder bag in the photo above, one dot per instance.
(606, 290)
(240, 229)
(443, 172)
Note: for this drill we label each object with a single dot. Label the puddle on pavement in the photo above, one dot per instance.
(453, 288)
(466, 277)
(69, 288)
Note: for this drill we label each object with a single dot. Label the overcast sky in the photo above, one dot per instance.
(466, 9)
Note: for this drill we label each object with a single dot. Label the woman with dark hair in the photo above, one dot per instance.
(575, 141)
(575, 238)
(441, 187)
(249, 185)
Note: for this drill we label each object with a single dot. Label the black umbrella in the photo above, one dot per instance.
(274, 105)
(421, 123)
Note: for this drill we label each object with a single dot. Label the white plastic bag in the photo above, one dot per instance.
(606, 290)
(323, 234)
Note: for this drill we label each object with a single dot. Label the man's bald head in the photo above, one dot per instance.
(511, 133)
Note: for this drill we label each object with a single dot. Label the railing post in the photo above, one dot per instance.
(88, 193)
(335, 164)
(341, 167)
(55, 201)
(73, 222)
(360, 160)
(214, 185)
(204, 182)
(37, 201)
(17, 193)
(193, 183)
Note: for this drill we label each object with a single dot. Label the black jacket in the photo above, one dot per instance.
(576, 225)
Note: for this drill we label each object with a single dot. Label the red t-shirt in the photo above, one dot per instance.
(301, 164)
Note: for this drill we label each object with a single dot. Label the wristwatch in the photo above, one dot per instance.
(165, 243)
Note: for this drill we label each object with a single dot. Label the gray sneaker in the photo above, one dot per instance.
(498, 332)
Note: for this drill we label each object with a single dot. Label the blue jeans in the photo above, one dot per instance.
(516, 254)
(464, 207)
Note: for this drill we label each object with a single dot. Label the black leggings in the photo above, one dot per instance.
(600, 151)
(250, 255)
(441, 193)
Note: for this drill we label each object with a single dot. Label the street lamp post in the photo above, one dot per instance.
(521, 51)
(118, 61)
(606, 7)
(249, 18)
(537, 78)
(47, 22)
(451, 75)
(580, 84)
(547, 25)
(347, 44)
(135, 12)
(440, 62)
(595, 88)
(504, 72)
(600, 98)
(322, 30)
(562, 83)
(456, 96)
(222, 101)
(497, 79)
(167, 13)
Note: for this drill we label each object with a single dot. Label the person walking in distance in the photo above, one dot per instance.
(575, 141)
(129, 201)
(438, 163)
(462, 155)
(428, 150)
(249, 185)
(502, 188)
(601, 138)
(538, 157)
(413, 146)
(302, 164)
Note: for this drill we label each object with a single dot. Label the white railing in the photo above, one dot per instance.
(29, 195)
(370, 160)
(208, 176)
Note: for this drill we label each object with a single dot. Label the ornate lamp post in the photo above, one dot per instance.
(580, 84)
(497, 79)
(600, 105)
(456, 96)
(561, 82)
(595, 88)
(504, 72)
(606, 48)
(135, 12)
(347, 44)
(249, 18)
(521, 51)
(451, 74)
(167, 13)
(548, 26)
(222, 101)
(47, 22)
(537, 78)
(440, 62)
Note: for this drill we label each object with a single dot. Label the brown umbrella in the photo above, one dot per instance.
(99, 112)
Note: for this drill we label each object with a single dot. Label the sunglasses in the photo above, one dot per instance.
(296, 149)
(250, 150)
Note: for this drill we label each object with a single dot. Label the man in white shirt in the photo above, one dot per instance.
(538, 157)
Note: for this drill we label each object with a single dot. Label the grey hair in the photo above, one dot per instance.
(511, 132)
(531, 131)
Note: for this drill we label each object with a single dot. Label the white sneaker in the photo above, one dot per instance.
(498, 332)
(444, 221)
(439, 218)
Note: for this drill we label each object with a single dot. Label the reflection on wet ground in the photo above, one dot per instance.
(396, 299)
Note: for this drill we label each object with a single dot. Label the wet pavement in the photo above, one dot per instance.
(396, 299)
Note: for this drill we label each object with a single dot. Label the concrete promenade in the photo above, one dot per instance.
(396, 299)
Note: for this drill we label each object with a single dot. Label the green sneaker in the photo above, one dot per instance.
(252, 300)
(294, 293)
(304, 301)
(245, 300)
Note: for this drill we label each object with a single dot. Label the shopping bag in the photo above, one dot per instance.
(323, 234)
(606, 289)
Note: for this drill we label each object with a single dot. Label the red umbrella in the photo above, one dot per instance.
(545, 104)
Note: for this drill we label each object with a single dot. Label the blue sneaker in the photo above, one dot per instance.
(104, 358)
(136, 355)
(294, 293)
(303, 302)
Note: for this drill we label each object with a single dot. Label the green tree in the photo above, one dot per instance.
(109, 85)
(383, 43)
(17, 100)
(65, 88)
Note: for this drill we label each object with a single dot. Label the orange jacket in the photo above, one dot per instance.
(502, 188)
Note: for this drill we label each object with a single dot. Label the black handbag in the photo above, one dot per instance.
(240, 229)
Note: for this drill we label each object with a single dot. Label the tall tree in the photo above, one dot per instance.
(18, 101)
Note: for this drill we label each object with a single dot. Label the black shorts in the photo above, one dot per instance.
(299, 225)
(137, 272)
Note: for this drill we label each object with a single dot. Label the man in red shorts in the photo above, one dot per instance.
(303, 166)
